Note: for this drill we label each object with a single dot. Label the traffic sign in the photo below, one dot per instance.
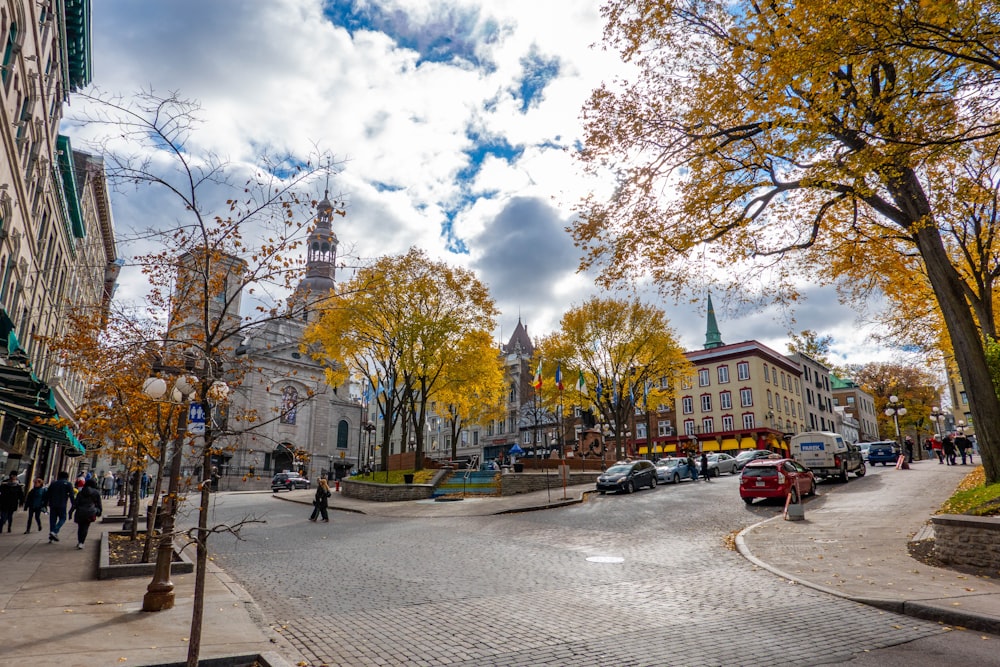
(196, 419)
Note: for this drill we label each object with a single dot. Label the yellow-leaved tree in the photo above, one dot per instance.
(780, 139)
(410, 326)
(627, 354)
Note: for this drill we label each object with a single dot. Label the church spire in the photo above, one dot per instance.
(321, 257)
(712, 336)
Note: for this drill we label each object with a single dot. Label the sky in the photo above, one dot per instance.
(456, 123)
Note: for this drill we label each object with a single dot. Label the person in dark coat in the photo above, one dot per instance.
(320, 501)
(87, 507)
(11, 498)
(706, 474)
(949, 450)
(34, 502)
(60, 494)
(963, 446)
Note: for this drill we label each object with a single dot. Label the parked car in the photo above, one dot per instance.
(720, 463)
(288, 481)
(883, 451)
(748, 455)
(776, 478)
(627, 477)
(672, 470)
(864, 449)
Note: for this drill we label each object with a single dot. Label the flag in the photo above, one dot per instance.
(581, 383)
(538, 377)
(559, 382)
(600, 389)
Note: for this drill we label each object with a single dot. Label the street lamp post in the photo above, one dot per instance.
(937, 414)
(895, 410)
(160, 591)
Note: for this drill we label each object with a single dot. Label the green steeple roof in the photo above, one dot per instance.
(712, 336)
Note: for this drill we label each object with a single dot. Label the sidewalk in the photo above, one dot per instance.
(853, 543)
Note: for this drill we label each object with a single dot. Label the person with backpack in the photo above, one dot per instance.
(35, 502)
(87, 507)
(59, 496)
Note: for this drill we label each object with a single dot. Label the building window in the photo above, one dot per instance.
(808, 374)
(526, 438)
(703, 378)
(748, 420)
(769, 404)
(663, 427)
(786, 404)
(774, 375)
(707, 425)
(723, 374)
(289, 403)
(727, 423)
(796, 386)
(746, 397)
(850, 401)
(726, 400)
(663, 383)
(743, 370)
(965, 398)
(687, 405)
(688, 427)
(706, 402)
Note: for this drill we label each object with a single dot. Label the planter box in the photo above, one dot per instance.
(105, 570)
(268, 659)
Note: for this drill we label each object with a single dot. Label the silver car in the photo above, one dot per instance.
(672, 470)
(720, 463)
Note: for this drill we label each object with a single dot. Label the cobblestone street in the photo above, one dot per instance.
(519, 589)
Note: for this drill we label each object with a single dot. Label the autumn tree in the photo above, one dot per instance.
(409, 325)
(627, 354)
(916, 388)
(778, 139)
(232, 232)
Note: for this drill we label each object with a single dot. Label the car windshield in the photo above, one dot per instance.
(618, 470)
(666, 462)
(749, 454)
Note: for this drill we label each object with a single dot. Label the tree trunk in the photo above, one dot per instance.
(968, 346)
(201, 560)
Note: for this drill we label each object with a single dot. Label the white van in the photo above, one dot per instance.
(827, 454)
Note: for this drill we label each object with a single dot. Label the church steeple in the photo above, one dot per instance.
(712, 336)
(321, 258)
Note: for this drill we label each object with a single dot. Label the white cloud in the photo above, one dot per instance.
(381, 94)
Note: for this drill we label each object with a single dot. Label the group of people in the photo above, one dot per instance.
(60, 499)
(948, 449)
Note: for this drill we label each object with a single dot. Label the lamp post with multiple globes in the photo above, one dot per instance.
(895, 410)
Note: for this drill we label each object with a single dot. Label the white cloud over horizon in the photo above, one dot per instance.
(456, 122)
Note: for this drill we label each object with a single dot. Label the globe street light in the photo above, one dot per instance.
(937, 415)
(160, 591)
(895, 410)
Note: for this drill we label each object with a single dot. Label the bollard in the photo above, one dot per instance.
(337, 486)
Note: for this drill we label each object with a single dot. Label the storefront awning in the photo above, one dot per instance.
(748, 443)
(29, 401)
(710, 446)
(730, 443)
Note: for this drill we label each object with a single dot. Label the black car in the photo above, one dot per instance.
(627, 477)
(289, 481)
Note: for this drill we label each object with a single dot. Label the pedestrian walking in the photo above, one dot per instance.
(908, 446)
(59, 495)
(705, 472)
(949, 450)
(692, 468)
(320, 501)
(938, 449)
(35, 503)
(107, 485)
(963, 446)
(87, 507)
(11, 498)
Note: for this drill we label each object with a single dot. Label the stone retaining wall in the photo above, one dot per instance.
(512, 484)
(960, 539)
(384, 493)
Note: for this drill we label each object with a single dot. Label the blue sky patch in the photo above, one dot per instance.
(537, 72)
(450, 35)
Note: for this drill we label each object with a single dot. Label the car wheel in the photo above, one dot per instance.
(795, 495)
(860, 472)
(812, 488)
(747, 500)
(630, 487)
(677, 478)
(652, 483)
(843, 474)
(715, 473)
(602, 492)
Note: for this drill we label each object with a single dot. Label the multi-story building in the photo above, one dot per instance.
(961, 413)
(816, 396)
(57, 244)
(857, 403)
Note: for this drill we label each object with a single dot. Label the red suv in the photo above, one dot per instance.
(776, 478)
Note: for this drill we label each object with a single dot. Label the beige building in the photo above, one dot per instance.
(57, 244)
(859, 404)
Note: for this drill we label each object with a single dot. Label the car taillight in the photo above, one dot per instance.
(781, 478)
(836, 460)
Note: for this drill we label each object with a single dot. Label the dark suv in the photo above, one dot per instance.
(627, 476)
(884, 452)
(289, 481)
